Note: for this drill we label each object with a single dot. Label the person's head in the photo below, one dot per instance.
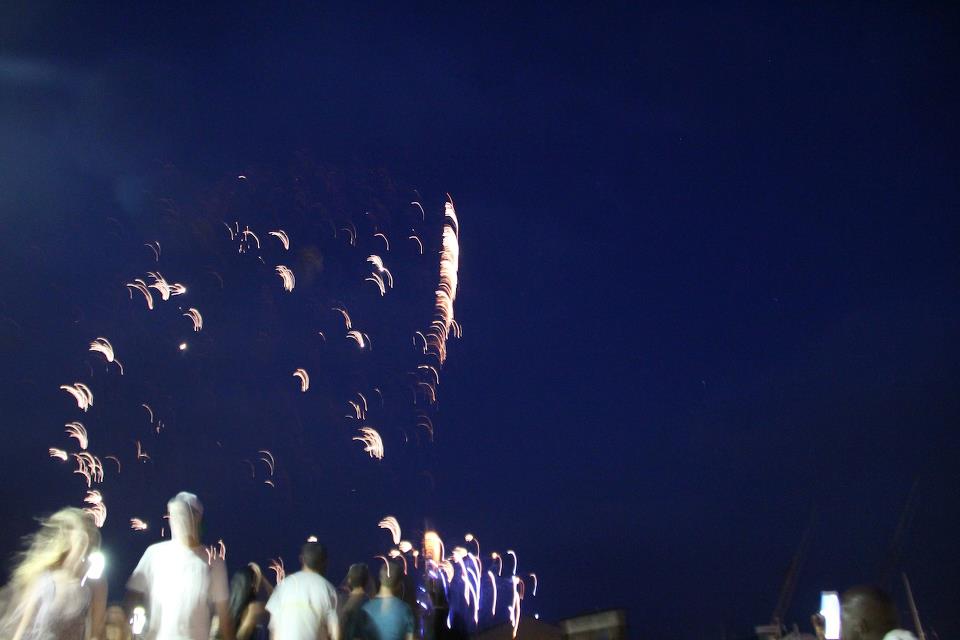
(867, 613)
(313, 557)
(391, 576)
(358, 575)
(64, 541)
(186, 512)
(243, 590)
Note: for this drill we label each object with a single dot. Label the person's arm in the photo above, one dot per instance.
(226, 622)
(98, 608)
(249, 622)
(333, 625)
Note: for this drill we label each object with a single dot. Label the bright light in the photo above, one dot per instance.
(139, 620)
(97, 561)
(183, 346)
(312, 539)
(830, 610)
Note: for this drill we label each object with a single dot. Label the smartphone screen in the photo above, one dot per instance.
(830, 610)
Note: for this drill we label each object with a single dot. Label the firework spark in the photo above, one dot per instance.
(433, 547)
(58, 453)
(137, 524)
(141, 454)
(346, 317)
(79, 432)
(380, 235)
(97, 508)
(155, 247)
(419, 242)
(535, 581)
(510, 552)
(141, 286)
(276, 565)
(390, 524)
(149, 410)
(447, 290)
(81, 393)
(373, 444)
(304, 379)
(115, 459)
(289, 281)
(283, 237)
(195, 316)
(423, 214)
(248, 233)
(103, 346)
(89, 466)
(514, 609)
(268, 459)
(377, 280)
(163, 287)
(362, 339)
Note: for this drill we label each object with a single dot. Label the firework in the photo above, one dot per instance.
(163, 287)
(195, 317)
(115, 459)
(58, 453)
(268, 459)
(103, 346)
(304, 379)
(419, 242)
(137, 524)
(79, 432)
(141, 454)
(155, 247)
(446, 292)
(390, 524)
(283, 237)
(149, 410)
(493, 585)
(362, 339)
(141, 286)
(423, 214)
(372, 442)
(385, 240)
(510, 552)
(535, 581)
(81, 393)
(97, 508)
(289, 281)
(276, 565)
(348, 324)
(496, 556)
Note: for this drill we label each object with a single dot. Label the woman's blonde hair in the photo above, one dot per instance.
(49, 547)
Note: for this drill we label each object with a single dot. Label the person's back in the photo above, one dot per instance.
(181, 584)
(389, 617)
(304, 605)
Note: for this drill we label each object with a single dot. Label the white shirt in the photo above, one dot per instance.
(181, 585)
(303, 607)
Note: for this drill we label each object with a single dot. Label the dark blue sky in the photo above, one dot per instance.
(708, 280)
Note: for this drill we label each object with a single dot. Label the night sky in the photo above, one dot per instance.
(708, 287)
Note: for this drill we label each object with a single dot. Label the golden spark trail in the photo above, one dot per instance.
(115, 459)
(58, 453)
(390, 524)
(346, 317)
(283, 237)
(137, 524)
(81, 393)
(195, 317)
(493, 583)
(97, 508)
(149, 410)
(380, 235)
(446, 292)
(304, 379)
(418, 241)
(289, 281)
(79, 432)
(423, 214)
(103, 346)
(141, 286)
(372, 442)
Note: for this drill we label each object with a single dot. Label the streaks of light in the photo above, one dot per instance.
(433, 370)
(115, 459)
(182, 346)
(372, 442)
(155, 247)
(89, 466)
(230, 230)
(312, 539)
(253, 470)
(423, 214)
(405, 546)
(247, 233)
(419, 242)
(268, 459)
(165, 288)
(514, 609)
(81, 393)
(433, 546)
(493, 583)
(97, 508)
(222, 549)
(276, 565)
(58, 453)
(363, 399)
(390, 524)
(447, 289)
(141, 286)
(283, 237)
(270, 483)
(304, 379)
(195, 317)
(422, 337)
(510, 552)
(535, 581)
(496, 556)
(352, 232)
(103, 346)
(346, 317)
(423, 420)
(362, 339)
(149, 410)
(430, 393)
(289, 281)
(357, 411)
(141, 454)
(79, 432)
(377, 280)
(138, 525)
(380, 235)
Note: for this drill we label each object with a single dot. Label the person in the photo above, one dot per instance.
(352, 617)
(247, 590)
(179, 582)
(50, 596)
(866, 613)
(304, 604)
(390, 617)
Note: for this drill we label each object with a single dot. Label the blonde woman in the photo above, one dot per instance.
(48, 596)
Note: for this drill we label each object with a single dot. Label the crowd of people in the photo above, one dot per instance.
(179, 591)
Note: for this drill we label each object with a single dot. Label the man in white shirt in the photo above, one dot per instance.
(179, 582)
(304, 604)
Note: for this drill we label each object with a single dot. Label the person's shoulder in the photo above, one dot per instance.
(158, 549)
